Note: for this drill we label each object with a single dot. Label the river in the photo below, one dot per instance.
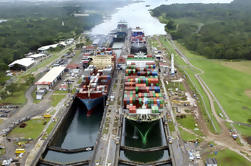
(137, 14)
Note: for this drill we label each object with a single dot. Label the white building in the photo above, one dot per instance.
(45, 48)
(50, 78)
(21, 64)
(37, 56)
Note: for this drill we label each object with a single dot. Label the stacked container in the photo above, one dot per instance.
(141, 90)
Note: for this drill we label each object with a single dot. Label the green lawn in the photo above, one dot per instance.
(186, 136)
(245, 130)
(2, 152)
(33, 129)
(228, 85)
(189, 123)
(227, 157)
(55, 99)
(171, 126)
(18, 97)
(51, 127)
(175, 85)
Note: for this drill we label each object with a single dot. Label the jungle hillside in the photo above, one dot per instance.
(219, 31)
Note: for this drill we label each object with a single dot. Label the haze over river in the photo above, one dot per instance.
(137, 14)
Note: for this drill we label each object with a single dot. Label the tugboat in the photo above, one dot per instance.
(120, 32)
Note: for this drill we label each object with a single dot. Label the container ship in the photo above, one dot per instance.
(96, 80)
(142, 99)
(121, 32)
(138, 41)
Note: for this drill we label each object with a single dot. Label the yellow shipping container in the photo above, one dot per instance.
(47, 116)
(18, 151)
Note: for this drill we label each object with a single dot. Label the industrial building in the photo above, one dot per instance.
(45, 48)
(50, 78)
(37, 56)
(21, 64)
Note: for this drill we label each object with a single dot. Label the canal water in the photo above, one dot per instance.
(78, 131)
(143, 135)
(137, 14)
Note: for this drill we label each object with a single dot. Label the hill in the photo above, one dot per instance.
(220, 31)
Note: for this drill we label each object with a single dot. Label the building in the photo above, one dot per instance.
(37, 56)
(50, 78)
(102, 61)
(21, 64)
(211, 162)
(45, 48)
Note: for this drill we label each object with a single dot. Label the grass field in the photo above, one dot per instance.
(245, 130)
(2, 152)
(171, 126)
(33, 129)
(17, 97)
(227, 157)
(242, 66)
(186, 136)
(189, 123)
(228, 85)
(55, 99)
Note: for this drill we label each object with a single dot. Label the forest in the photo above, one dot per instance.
(221, 31)
(32, 25)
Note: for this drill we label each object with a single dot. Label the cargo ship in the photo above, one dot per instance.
(96, 80)
(138, 41)
(121, 32)
(142, 100)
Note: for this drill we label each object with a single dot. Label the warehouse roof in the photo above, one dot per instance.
(26, 62)
(52, 75)
(37, 56)
(47, 47)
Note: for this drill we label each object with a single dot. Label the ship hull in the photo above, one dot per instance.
(91, 104)
(135, 48)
